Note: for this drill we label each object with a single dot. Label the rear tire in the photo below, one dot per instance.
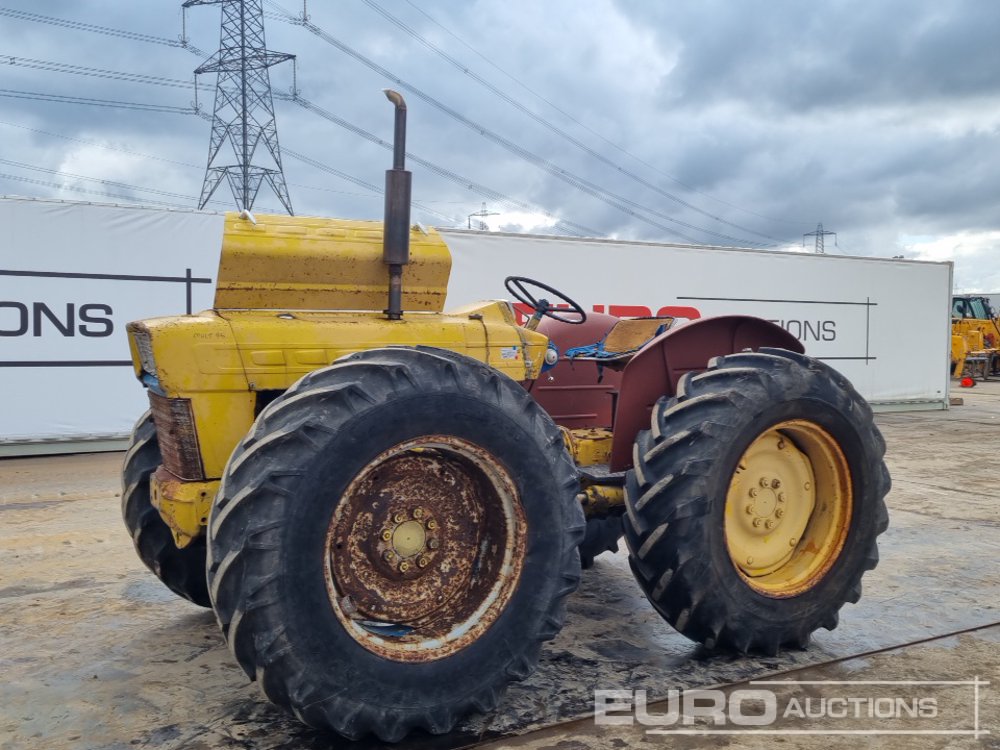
(318, 510)
(755, 501)
(182, 570)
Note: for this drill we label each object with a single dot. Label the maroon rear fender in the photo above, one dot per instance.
(656, 369)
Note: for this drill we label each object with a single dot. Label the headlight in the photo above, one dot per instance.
(177, 436)
(145, 346)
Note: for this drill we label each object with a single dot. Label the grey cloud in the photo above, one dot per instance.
(774, 115)
(793, 56)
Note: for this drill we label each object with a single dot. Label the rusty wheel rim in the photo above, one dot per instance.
(425, 549)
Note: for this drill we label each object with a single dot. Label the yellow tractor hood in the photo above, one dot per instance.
(302, 263)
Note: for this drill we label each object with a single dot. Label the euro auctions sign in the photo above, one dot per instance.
(803, 707)
(71, 277)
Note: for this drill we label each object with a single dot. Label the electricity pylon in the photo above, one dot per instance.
(244, 110)
(819, 234)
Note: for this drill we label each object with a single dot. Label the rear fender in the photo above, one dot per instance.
(657, 368)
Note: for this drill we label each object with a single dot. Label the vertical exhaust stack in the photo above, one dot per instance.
(396, 234)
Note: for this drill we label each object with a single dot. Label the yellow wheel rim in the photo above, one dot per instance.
(788, 508)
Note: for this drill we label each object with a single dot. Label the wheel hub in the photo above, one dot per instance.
(408, 543)
(408, 538)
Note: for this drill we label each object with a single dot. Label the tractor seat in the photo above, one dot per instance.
(620, 344)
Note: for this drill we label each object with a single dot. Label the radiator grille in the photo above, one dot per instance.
(177, 436)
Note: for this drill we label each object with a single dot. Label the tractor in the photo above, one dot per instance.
(386, 505)
(975, 338)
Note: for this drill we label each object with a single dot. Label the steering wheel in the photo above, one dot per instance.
(542, 307)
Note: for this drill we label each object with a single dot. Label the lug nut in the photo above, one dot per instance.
(386, 535)
(776, 484)
(399, 518)
(418, 513)
(422, 562)
(404, 566)
(792, 542)
(749, 561)
(749, 509)
(433, 543)
(764, 482)
(781, 445)
(807, 486)
(432, 524)
(779, 512)
(757, 522)
(781, 497)
(753, 492)
(769, 523)
(390, 556)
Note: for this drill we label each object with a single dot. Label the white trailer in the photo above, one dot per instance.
(885, 323)
(73, 274)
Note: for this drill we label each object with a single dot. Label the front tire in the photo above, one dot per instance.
(182, 570)
(393, 541)
(755, 501)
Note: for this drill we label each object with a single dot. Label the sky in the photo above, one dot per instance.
(726, 123)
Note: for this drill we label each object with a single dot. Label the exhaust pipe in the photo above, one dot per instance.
(396, 233)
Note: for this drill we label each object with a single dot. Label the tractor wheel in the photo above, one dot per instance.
(601, 536)
(181, 569)
(755, 501)
(393, 541)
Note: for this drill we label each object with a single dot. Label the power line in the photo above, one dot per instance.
(80, 26)
(586, 127)
(63, 99)
(550, 126)
(621, 203)
(188, 165)
(285, 15)
(377, 190)
(116, 75)
(566, 226)
(374, 189)
(135, 36)
(562, 225)
(98, 144)
(591, 189)
(78, 189)
(110, 183)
